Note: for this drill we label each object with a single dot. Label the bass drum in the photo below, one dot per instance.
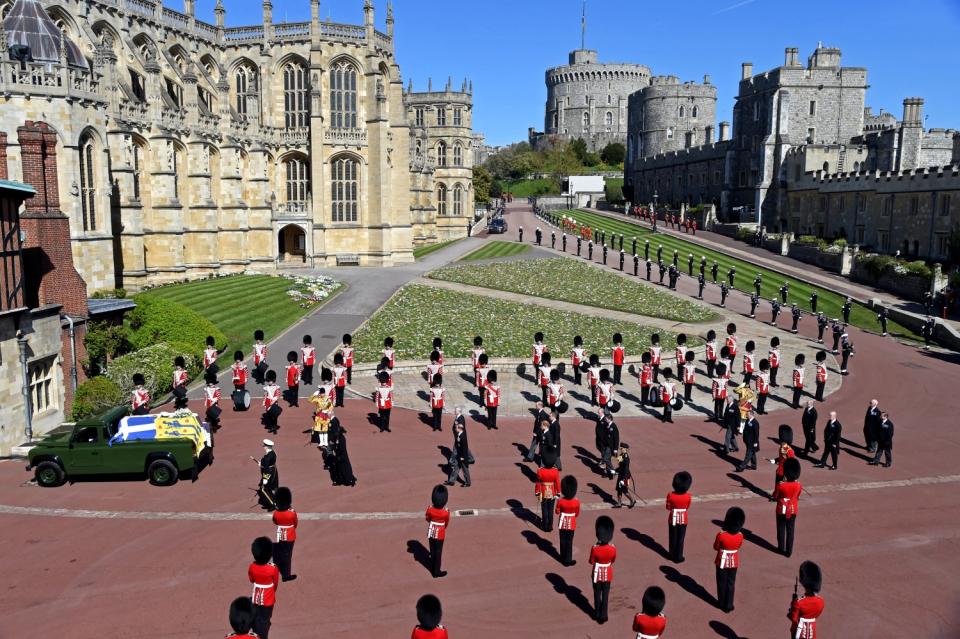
(584, 367)
(563, 407)
(241, 400)
(677, 403)
(614, 406)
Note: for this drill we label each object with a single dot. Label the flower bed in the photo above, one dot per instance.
(417, 314)
(570, 280)
(310, 291)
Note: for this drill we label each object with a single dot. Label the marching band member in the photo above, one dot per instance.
(655, 357)
(719, 392)
(265, 577)
(804, 611)
(539, 348)
(438, 518)
(577, 356)
(475, 358)
(271, 402)
(731, 344)
(438, 349)
(763, 386)
(326, 383)
(555, 390)
(384, 398)
(308, 359)
(624, 477)
(667, 393)
(689, 374)
(437, 397)
(728, 364)
(787, 497)
(239, 373)
(618, 354)
(241, 619)
(650, 622)
(491, 399)
(140, 397)
(429, 611)
(568, 508)
(389, 352)
(543, 374)
(727, 544)
(434, 368)
(482, 371)
(678, 504)
(285, 518)
(748, 363)
(821, 375)
(259, 357)
(211, 401)
(711, 352)
(798, 372)
(293, 379)
(547, 487)
(384, 367)
(646, 379)
(339, 379)
(785, 452)
(210, 355)
(604, 389)
(593, 375)
(322, 414)
(602, 557)
(680, 352)
(773, 356)
(179, 383)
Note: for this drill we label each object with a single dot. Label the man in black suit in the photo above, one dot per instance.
(831, 441)
(871, 425)
(536, 442)
(751, 442)
(608, 440)
(884, 441)
(731, 422)
(460, 457)
(553, 433)
(809, 422)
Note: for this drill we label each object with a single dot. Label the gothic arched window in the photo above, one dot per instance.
(441, 199)
(343, 96)
(297, 180)
(295, 99)
(345, 185)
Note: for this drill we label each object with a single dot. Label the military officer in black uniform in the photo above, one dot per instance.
(269, 477)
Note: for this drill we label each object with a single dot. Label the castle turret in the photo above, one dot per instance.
(724, 131)
(956, 149)
(911, 134)
(746, 70)
(390, 20)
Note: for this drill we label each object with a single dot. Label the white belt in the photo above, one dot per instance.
(640, 635)
(263, 585)
(565, 519)
(597, 568)
(726, 556)
(804, 627)
(676, 515)
(783, 507)
(435, 528)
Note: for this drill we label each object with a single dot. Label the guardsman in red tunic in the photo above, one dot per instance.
(678, 504)
(293, 379)
(339, 378)
(798, 373)
(308, 359)
(211, 401)
(384, 367)
(602, 556)
(773, 356)
(547, 487)
(593, 376)
(680, 352)
(646, 379)
(491, 399)
(346, 349)
(265, 577)
(438, 349)
(429, 614)
(285, 518)
(543, 374)
(689, 374)
(434, 368)
(604, 389)
(568, 509)
(475, 358)
(618, 353)
(655, 357)
(555, 390)
(259, 357)
(719, 392)
(179, 383)
(822, 374)
(727, 544)
(241, 619)
(577, 357)
(763, 386)
(749, 363)
(438, 396)
(239, 372)
(731, 344)
(785, 452)
(140, 397)
(210, 355)
(668, 392)
(438, 518)
(787, 497)
(271, 402)
(804, 611)
(389, 352)
(711, 352)
(650, 622)
(482, 370)
(383, 395)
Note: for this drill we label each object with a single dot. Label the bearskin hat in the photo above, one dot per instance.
(594, 360)
(604, 375)
(791, 469)
(577, 340)
(271, 376)
(384, 362)
(283, 498)
(800, 359)
(538, 336)
(682, 482)
(326, 375)
(654, 599)
(568, 487)
(617, 338)
(821, 356)
(764, 365)
(388, 342)
(179, 361)
(725, 352)
(645, 358)
(429, 612)
(655, 338)
(681, 339)
(720, 369)
(734, 519)
(383, 377)
(138, 379)
(308, 339)
(492, 376)
(604, 527)
(210, 378)
(258, 335)
(262, 549)
(292, 356)
(667, 373)
(711, 335)
(545, 359)
(785, 434)
(554, 375)
(338, 359)
(241, 615)
(549, 458)
(689, 356)
(434, 356)
(238, 356)
(210, 340)
(478, 341)
(810, 576)
(731, 328)
(437, 342)
(437, 380)
(439, 496)
(484, 359)
(750, 346)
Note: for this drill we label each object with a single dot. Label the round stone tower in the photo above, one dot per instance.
(669, 115)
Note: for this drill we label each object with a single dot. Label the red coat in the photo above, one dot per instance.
(728, 549)
(271, 395)
(437, 395)
(140, 397)
(293, 375)
(347, 352)
(384, 396)
(680, 355)
(286, 521)
(787, 496)
(259, 353)
(308, 355)
(782, 457)
(209, 357)
(712, 351)
(731, 344)
(577, 355)
(655, 355)
(648, 627)
(437, 633)
(602, 558)
(548, 483)
(678, 505)
(798, 378)
(239, 374)
(340, 376)
(569, 510)
(538, 351)
(491, 395)
(646, 375)
(719, 389)
(774, 357)
(211, 396)
(690, 373)
(763, 383)
(748, 363)
(594, 374)
(391, 356)
(179, 378)
(604, 393)
(822, 373)
(666, 392)
(808, 609)
(265, 579)
(482, 372)
(438, 520)
(555, 393)
(618, 353)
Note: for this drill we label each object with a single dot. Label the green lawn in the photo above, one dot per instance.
(417, 314)
(240, 304)
(828, 302)
(575, 281)
(494, 249)
(422, 251)
(527, 188)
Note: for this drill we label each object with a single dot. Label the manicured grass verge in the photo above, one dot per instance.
(494, 249)
(568, 280)
(422, 251)
(238, 305)
(828, 302)
(417, 314)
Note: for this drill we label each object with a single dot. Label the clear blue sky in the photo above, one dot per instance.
(504, 46)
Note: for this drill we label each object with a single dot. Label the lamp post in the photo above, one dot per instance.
(656, 196)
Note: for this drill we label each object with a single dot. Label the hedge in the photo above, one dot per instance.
(158, 320)
(155, 362)
(95, 396)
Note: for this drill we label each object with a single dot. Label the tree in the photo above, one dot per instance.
(482, 181)
(579, 148)
(591, 159)
(614, 154)
(562, 161)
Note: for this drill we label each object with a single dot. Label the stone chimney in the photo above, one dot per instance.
(706, 78)
(956, 149)
(47, 255)
(791, 57)
(708, 134)
(746, 70)
(911, 134)
(4, 174)
(724, 131)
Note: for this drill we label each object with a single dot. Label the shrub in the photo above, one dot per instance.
(811, 240)
(95, 396)
(160, 320)
(841, 242)
(915, 268)
(105, 341)
(155, 363)
(745, 234)
(110, 293)
(614, 153)
(875, 264)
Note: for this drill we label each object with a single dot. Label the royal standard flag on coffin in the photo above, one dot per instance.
(181, 425)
